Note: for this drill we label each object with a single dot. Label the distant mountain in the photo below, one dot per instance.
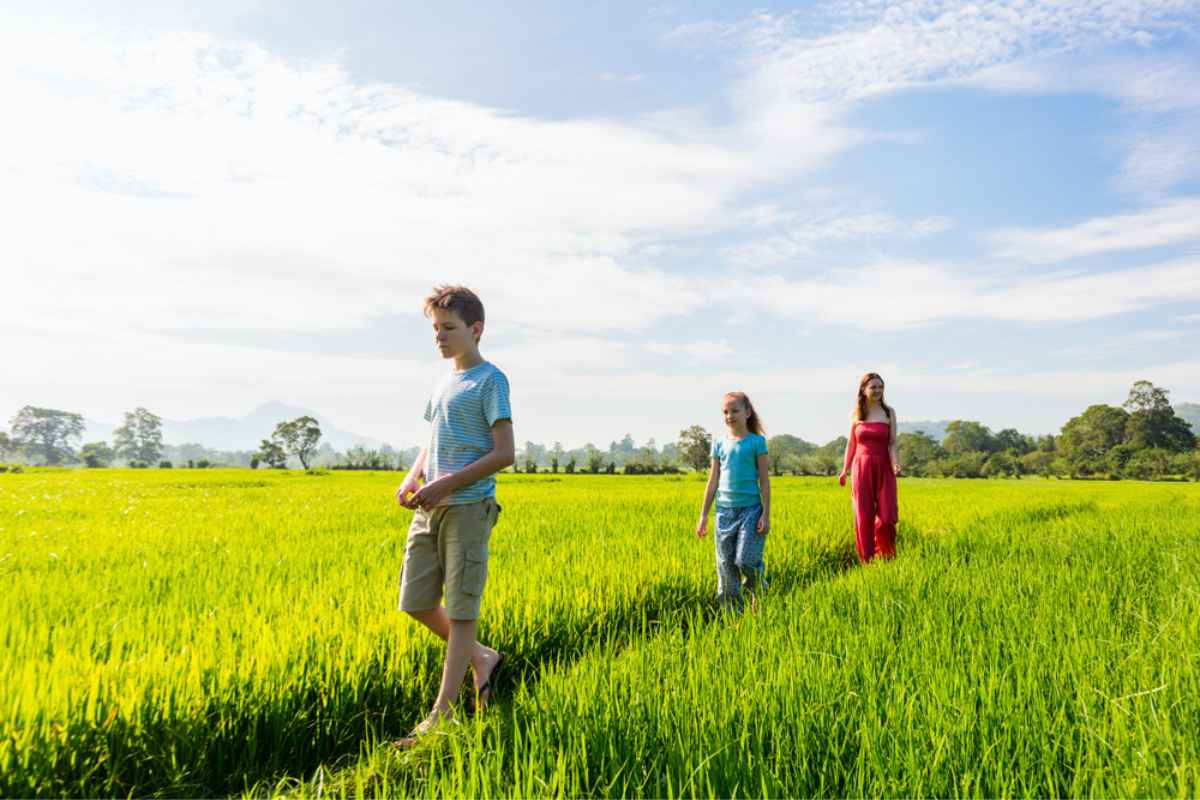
(245, 433)
(1190, 412)
(936, 430)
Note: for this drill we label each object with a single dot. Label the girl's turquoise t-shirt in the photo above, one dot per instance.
(738, 486)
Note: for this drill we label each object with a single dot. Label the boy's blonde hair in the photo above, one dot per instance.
(457, 299)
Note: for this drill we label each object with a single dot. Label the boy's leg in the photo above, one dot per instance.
(466, 531)
(432, 556)
(725, 542)
(482, 658)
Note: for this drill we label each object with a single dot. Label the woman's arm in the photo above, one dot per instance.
(764, 493)
(710, 491)
(851, 446)
(893, 449)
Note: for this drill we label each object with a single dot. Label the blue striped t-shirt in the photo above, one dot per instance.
(462, 411)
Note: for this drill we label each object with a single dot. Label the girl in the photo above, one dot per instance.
(871, 452)
(739, 480)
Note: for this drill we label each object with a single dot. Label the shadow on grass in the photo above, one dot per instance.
(233, 745)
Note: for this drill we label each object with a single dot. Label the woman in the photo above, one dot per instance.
(871, 452)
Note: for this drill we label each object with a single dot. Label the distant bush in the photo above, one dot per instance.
(651, 469)
(164, 464)
(11, 468)
(138, 464)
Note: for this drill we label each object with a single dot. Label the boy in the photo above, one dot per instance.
(455, 509)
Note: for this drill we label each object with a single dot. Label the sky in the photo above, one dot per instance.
(995, 205)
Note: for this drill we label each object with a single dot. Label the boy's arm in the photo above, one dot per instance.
(764, 492)
(710, 491)
(412, 481)
(502, 454)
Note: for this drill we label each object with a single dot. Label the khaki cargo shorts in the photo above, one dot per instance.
(448, 547)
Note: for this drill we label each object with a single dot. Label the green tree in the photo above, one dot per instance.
(1152, 421)
(1037, 462)
(968, 464)
(272, 454)
(1014, 441)
(916, 451)
(784, 452)
(967, 436)
(299, 437)
(1087, 439)
(595, 459)
(695, 447)
(7, 446)
(1001, 464)
(46, 433)
(97, 454)
(139, 438)
(826, 459)
(1149, 464)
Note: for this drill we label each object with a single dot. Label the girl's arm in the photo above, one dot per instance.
(893, 449)
(710, 491)
(851, 446)
(764, 493)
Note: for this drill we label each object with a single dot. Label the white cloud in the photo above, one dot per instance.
(896, 295)
(890, 46)
(799, 236)
(214, 184)
(1174, 222)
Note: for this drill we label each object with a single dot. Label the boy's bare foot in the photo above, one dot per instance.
(485, 679)
(424, 728)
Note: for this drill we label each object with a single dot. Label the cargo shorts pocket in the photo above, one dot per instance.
(474, 572)
(491, 511)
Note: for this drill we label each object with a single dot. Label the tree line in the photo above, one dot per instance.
(49, 437)
(1143, 438)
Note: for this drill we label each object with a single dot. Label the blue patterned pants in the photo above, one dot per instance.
(740, 564)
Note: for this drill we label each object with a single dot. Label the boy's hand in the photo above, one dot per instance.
(431, 494)
(764, 525)
(408, 487)
(702, 526)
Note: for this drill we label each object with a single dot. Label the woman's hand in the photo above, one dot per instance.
(842, 478)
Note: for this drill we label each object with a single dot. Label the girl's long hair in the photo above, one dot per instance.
(753, 421)
(860, 407)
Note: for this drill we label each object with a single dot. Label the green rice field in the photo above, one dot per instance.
(231, 632)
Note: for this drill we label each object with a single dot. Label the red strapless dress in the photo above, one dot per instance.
(873, 491)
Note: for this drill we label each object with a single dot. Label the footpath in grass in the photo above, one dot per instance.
(1050, 650)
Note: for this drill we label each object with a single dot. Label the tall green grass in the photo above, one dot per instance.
(227, 631)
